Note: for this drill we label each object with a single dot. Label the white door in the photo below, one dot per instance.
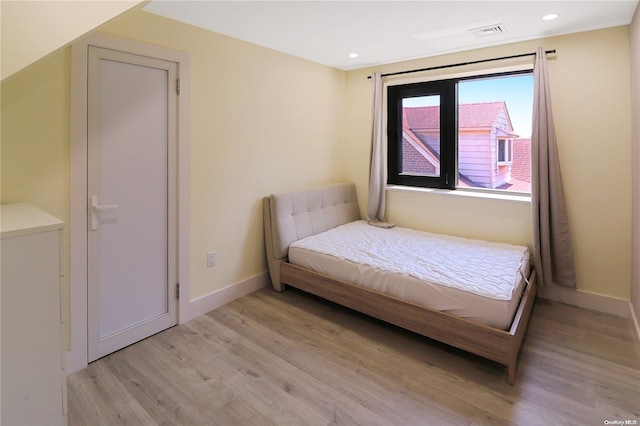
(131, 190)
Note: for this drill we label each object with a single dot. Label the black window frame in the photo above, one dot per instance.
(447, 89)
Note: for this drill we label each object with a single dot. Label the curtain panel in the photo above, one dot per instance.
(552, 248)
(377, 161)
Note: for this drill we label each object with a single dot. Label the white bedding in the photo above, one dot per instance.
(473, 279)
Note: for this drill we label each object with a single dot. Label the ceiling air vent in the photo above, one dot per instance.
(489, 30)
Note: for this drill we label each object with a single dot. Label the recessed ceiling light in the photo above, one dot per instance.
(550, 17)
(353, 55)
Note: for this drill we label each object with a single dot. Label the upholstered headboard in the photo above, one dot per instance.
(291, 216)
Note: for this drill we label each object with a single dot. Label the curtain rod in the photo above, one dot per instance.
(460, 64)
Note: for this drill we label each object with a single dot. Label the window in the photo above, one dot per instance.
(471, 132)
(505, 152)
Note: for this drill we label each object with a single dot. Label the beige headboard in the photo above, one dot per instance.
(291, 216)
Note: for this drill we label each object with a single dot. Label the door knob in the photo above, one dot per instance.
(95, 211)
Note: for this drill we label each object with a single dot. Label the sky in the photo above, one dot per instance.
(516, 91)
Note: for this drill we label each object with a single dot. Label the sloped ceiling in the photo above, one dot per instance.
(30, 30)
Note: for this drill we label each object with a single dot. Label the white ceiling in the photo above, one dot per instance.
(389, 31)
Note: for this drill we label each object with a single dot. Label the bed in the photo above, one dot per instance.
(304, 228)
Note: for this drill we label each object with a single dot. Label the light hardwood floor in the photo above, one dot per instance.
(293, 359)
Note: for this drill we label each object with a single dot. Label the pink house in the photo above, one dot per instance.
(489, 152)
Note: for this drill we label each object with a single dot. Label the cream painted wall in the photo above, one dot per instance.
(590, 85)
(0, 218)
(261, 122)
(264, 122)
(635, 159)
(35, 142)
(33, 29)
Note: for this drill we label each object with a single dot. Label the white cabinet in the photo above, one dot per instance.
(33, 387)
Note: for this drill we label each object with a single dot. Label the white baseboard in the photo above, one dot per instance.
(215, 299)
(209, 302)
(586, 299)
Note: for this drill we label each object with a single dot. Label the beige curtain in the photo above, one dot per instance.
(377, 161)
(552, 250)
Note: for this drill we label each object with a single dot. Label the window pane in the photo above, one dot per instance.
(494, 132)
(501, 151)
(421, 136)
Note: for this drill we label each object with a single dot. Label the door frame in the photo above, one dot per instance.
(77, 356)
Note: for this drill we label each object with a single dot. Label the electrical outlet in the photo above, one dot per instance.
(211, 259)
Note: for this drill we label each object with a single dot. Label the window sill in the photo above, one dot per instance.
(470, 193)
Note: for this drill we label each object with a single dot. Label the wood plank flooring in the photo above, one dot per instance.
(293, 359)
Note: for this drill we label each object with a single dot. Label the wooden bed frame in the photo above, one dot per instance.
(502, 346)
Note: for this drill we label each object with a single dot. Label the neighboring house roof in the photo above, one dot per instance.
(521, 168)
(482, 114)
(478, 115)
(486, 116)
(421, 118)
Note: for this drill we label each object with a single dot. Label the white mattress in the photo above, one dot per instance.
(473, 279)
